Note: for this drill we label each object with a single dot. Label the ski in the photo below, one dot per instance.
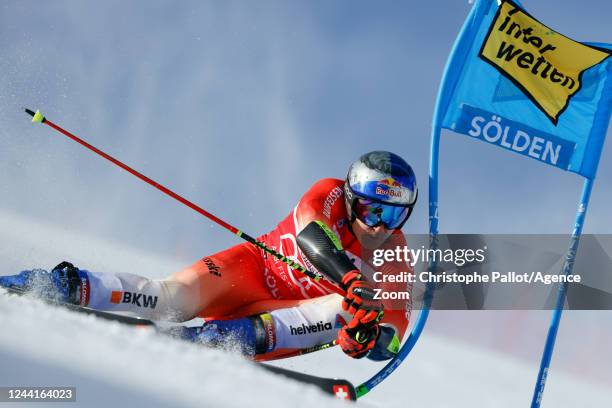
(128, 320)
(340, 388)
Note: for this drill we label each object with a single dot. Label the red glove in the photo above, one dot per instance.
(359, 336)
(359, 294)
(357, 339)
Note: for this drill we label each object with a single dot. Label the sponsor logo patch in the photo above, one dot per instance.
(544, 64)
(307, 329)
(84, 291)
(212, 267)
(330, 200)
(268, 323)
(134, 298)
(389, 188)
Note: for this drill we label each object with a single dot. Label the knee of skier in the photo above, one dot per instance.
(180, 300)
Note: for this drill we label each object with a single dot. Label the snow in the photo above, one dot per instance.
(111, 364)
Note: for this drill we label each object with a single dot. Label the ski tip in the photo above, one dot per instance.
(37, 117)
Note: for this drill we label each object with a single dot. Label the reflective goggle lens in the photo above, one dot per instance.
(373, 213)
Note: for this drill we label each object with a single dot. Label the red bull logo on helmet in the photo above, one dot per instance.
(389, 187)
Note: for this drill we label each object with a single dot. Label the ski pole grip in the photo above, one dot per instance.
(324, 251)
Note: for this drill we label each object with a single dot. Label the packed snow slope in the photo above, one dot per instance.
(114, 365)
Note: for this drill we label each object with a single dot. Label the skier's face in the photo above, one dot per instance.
(370, 237)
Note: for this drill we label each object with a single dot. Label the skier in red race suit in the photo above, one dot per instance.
(256, 302)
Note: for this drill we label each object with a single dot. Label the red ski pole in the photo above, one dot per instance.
(37, 117)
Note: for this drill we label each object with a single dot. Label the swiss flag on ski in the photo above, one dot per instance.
(341, 392)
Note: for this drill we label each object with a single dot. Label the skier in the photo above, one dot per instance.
(255, 301)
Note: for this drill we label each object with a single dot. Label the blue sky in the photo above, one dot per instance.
(241, 106)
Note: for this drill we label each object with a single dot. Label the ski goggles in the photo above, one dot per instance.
(374, 213)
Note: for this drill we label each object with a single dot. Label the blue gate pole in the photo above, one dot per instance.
(568, 267)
